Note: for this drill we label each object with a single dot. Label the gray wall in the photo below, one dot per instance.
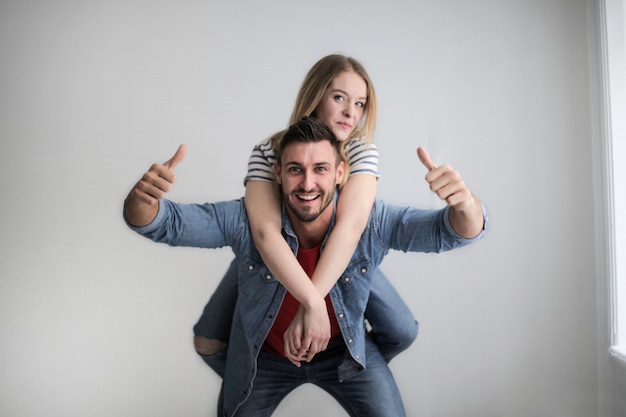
(96, 321)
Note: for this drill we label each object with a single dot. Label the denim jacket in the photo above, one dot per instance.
(260, 295)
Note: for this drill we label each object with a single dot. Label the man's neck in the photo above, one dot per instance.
(311, 234)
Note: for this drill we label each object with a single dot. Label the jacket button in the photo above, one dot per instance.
(268, 277)
(349, 340)
(363, 270)
(250, 267)
(346, 279)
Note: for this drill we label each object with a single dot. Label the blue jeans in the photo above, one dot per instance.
(372, 393)
(394, 328)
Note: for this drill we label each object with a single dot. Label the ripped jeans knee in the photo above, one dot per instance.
(208, 347)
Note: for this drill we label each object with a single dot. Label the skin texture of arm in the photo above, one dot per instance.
(263, 208)
(353, 209)
(309, 332)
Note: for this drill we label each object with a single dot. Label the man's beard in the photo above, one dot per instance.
(307, 215)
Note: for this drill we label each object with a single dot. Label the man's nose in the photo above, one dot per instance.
(307, 181)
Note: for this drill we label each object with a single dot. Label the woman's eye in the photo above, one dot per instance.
(338, 97)
(360, 104)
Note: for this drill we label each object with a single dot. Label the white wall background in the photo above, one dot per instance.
(96, 321)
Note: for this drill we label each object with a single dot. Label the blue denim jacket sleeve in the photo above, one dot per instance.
(410, 229)
(196, 225)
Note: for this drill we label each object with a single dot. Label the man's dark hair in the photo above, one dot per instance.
(306, 130)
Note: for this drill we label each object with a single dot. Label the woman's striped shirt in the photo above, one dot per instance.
(362, 157)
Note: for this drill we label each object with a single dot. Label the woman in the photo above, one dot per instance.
(338, 91)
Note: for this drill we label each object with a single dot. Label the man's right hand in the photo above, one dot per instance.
(142, 204)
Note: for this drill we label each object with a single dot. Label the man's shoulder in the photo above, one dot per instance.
(237, 209)
(232, 208)
(379, 208)
(231, 215)
(234, 211)
(384, 216)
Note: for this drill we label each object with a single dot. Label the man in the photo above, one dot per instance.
(308, 170)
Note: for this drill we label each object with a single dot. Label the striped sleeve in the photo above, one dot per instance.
(362, 157)
(261, 163)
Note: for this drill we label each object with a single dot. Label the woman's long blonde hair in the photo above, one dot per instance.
(318, 79)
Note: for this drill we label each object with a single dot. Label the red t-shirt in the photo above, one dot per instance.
(274, 342)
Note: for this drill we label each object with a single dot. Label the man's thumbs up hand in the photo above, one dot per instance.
(177, 158)
(446, 182)
(141, 205)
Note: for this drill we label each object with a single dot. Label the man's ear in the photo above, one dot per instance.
(277, 173)
(340, 172)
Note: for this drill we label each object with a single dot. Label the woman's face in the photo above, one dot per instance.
(342, 105)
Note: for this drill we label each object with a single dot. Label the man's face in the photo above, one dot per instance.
(308, 176)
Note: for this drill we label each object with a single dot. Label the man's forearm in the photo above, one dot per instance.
(469, 221)
(139, 213)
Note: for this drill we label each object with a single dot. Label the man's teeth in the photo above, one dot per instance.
(307, 197)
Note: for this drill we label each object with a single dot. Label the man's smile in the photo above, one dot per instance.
(307, 196)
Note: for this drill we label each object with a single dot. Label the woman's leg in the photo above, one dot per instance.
(212, 331)
(394, 327)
